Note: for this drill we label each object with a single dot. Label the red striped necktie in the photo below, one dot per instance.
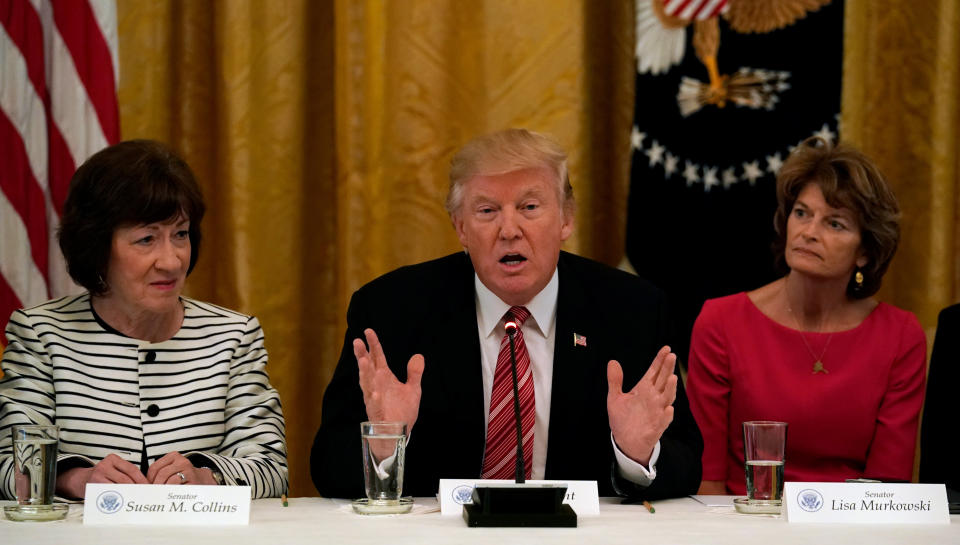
(499, 459)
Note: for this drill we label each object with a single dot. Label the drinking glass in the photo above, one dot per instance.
(384, 447)
(764, 447)
(35, 473)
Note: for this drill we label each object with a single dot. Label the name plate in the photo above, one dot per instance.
(582, 496)
(897, 503)
(156, 504)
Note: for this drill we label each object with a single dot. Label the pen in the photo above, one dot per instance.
(634, 500)
(283, 499)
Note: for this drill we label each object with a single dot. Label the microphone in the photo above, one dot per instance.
(511, 328)
(520, 503)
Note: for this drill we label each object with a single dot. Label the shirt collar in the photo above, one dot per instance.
(543, 306)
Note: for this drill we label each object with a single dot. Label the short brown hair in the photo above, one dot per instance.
(849, 179)
(130, 183)
(506, 151)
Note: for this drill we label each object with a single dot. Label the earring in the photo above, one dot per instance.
(858, 278)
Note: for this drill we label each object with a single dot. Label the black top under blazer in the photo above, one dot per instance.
(430, 309)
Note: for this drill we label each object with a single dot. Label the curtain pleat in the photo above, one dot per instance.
(900, 106)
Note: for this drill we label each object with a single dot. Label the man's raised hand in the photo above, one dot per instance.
(386, 398)
(639, 417)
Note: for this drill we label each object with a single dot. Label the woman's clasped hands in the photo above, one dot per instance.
(172, 468)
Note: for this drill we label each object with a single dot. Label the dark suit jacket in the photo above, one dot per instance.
(429, 309)
(938, 457)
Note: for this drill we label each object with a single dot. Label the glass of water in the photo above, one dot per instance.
(35, 473)
(384, 447)
(764, 449)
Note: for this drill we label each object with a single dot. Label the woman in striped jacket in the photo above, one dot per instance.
(145, 385)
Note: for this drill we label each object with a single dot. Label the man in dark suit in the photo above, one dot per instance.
(938, 462)
(590, 329)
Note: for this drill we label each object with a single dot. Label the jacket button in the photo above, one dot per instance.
(153, 410)
(151, 356)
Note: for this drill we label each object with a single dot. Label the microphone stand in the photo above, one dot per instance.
(519, 462)
(518, 504)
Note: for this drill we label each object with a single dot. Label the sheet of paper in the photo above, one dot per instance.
(715, 501)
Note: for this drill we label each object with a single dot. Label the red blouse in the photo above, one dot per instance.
(857, 420)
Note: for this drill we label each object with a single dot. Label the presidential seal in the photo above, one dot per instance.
(109, 502)
(463, 494)
(810, 500)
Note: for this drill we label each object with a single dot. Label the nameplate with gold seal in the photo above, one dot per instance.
(872, 503)
(581, 496)
(159, 505)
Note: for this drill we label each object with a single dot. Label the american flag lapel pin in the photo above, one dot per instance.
(579, 340)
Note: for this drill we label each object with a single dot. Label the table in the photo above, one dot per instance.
(320, 521)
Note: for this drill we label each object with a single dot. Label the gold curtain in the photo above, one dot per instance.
(321, 133)
(243, 91)
(901, 105)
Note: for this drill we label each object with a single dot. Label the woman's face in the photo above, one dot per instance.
(822, 241)
(148, 264)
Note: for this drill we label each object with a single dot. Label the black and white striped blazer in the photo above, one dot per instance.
(203, 393)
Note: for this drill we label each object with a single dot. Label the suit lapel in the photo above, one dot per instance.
(572, 373)
(462, 382)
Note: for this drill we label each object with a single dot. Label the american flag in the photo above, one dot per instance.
(694, 9)
(58, 106)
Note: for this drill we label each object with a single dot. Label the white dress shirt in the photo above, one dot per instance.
(538, 334)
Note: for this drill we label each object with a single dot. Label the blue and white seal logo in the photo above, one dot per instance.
(109, 502)
(463, 494)
(810, 500)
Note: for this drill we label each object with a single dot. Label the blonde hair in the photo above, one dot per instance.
(507, 151)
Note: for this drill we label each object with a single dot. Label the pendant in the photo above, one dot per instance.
(819, 368)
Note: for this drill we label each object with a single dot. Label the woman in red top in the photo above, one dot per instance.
(814, 348)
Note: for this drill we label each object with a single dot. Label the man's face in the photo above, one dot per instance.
(512, 225)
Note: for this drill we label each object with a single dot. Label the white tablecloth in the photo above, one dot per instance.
(322, 521)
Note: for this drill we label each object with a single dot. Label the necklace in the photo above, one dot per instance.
(817, 361)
